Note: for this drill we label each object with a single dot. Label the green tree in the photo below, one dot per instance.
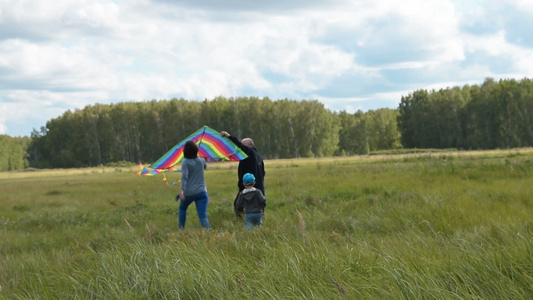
(13, 153)
(412, 118)
(353, 135)
(382, 129)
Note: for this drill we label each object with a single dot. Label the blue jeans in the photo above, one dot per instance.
(251, 220)
(200, 200)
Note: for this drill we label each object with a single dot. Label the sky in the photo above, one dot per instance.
(349, 55)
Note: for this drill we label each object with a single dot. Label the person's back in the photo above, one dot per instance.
(252, 202)
(193, 181)
(192, 186)
(252, 164)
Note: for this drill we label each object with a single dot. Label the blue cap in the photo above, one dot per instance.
(248, 179)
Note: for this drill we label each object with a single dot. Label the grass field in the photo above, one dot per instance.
(454, 225)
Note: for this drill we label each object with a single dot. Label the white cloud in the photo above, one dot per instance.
(523, 5)
(53, 67)
(351, 55)
(497, 47)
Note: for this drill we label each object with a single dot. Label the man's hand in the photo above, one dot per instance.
(224, 133)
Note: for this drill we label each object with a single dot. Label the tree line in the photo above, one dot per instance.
(493, 115)
(13, 152)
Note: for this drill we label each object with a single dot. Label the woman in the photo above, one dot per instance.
(192, 188)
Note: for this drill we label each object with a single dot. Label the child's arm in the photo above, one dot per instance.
(239, 204)
(262, 199)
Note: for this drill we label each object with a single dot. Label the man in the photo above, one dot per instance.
(252, 164)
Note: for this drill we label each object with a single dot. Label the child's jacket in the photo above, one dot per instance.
(251, 201)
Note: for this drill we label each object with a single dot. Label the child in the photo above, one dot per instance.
(252, 202)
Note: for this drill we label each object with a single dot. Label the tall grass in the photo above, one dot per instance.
(438, 226)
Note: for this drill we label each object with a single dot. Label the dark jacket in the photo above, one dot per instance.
(251, 201)
(252, 164)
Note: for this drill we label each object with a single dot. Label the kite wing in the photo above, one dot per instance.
(211, 145)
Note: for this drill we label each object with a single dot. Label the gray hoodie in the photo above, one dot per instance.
(251, 201)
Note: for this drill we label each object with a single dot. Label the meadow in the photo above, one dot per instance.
(453, 225)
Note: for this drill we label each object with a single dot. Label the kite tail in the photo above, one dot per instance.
(166, 181)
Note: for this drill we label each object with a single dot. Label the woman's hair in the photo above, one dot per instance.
(190, 150)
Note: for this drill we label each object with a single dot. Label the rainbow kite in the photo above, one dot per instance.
(211, 145)
(147, 172)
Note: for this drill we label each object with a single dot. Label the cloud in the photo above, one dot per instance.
(348, 54)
